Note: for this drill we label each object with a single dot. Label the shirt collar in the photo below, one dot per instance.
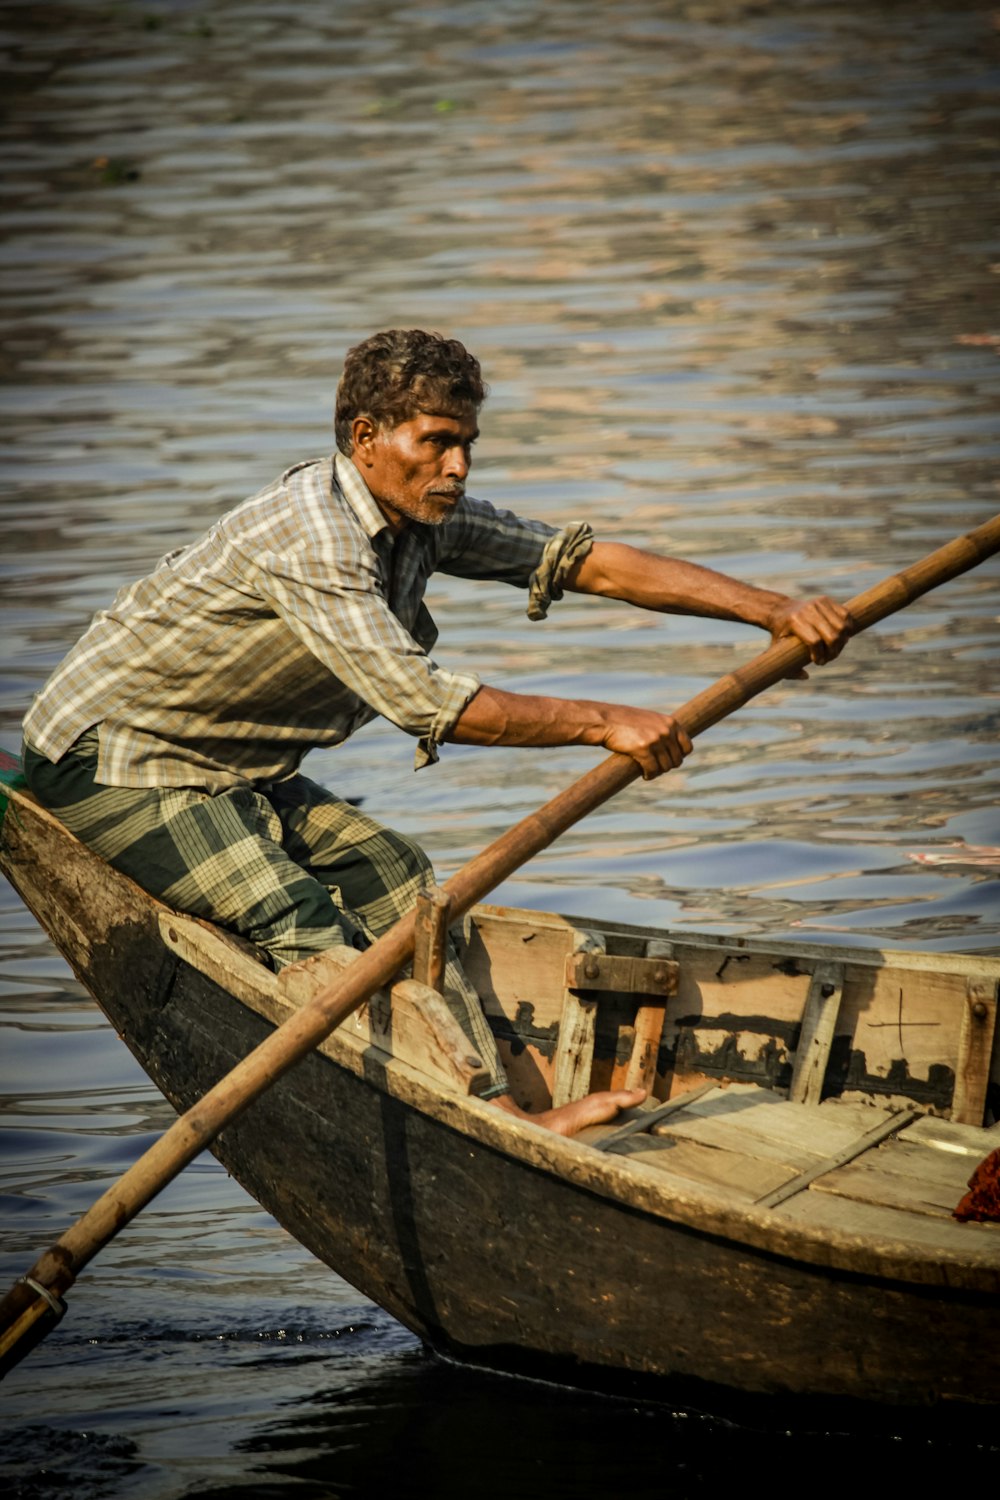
(358, 496)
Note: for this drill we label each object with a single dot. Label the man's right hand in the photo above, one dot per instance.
(656, 742)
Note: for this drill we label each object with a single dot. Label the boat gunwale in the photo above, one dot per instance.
(972, 965)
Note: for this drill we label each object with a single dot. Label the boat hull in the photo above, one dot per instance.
(495, 1261)
(472, 1241)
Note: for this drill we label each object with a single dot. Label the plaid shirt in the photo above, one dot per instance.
(294, 620)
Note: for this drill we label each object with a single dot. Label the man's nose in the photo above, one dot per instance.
(457, 462)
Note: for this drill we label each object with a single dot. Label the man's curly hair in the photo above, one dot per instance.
(393, 375)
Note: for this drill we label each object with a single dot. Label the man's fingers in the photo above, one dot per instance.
(652, 765)
(656, 742)
(656, 761)
(822, 625)
(833, 624)
(801, 628)
(839, 624)
(678, 743)
(670, 750)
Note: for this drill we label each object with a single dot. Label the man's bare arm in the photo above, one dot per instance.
(655, 741)
(672, 586)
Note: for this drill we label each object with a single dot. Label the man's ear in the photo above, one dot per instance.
(363, 435)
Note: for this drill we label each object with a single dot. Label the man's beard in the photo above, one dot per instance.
(432, 508)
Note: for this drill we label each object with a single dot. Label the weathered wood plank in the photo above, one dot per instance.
(876, 1223)
(593, 972)
(640, 1072)
(431, 937)
(650, 1018)
(902, 1174)
(575, 1055)
(975, 1046)
(886, 1127)
(741, 1178)
(902, 1028)
(645, 1119)
(208, 949)
(517, 970)
(517, 965)
(412, 1023)
(971, 1142)
(819, 1020)
(761, 1123)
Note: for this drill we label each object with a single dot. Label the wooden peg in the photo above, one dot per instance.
(431, 937)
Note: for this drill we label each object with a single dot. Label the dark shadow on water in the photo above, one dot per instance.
(423, 1428)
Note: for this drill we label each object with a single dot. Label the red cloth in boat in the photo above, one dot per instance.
(982, 1201)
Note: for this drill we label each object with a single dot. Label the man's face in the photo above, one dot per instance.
(417, 470)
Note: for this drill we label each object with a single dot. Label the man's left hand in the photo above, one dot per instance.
(821, 624)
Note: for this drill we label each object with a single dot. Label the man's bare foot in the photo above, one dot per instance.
(569, 1119)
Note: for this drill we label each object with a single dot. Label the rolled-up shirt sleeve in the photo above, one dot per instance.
(483, 542)
(462, 687)
(562, 552)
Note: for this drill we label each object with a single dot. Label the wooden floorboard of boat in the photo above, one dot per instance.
(745, 1142)
(751, 1121)
(733, 1174)
(761, 1123)
(879, 1222)
(970, 1142)
(903, 1174)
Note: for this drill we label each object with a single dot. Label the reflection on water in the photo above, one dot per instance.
(732, 271)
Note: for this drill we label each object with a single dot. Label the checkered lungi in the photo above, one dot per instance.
(291, 867)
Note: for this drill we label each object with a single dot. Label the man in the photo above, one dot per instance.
(169, 739)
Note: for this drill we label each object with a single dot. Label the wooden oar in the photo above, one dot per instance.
(34, 1304)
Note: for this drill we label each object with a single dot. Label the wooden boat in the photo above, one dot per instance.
(776, 1220)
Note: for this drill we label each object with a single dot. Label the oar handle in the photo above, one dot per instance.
(57, 1268)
